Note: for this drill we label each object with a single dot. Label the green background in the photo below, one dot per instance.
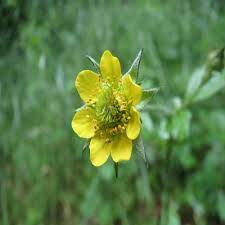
(45, 178)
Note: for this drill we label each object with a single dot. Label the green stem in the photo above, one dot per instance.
(116, 166)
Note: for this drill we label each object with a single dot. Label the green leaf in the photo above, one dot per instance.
(185, 157)
(95, 64)
(169, 213)
(221, 205)
(215, 84)
(134, 69)
(140, 148)
(163, 130)
(174, 218)
(195, 81)
(215, 59)
(180, 125)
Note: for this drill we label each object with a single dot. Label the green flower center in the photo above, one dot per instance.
(112, 111)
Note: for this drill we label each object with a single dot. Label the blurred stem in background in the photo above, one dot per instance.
(200, 80)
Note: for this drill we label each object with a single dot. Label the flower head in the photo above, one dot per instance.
(109, 117)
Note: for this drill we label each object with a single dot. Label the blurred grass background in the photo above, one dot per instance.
(44, 176)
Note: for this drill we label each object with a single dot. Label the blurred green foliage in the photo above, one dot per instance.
(45, 178)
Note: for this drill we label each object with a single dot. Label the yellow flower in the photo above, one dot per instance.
(109, 116)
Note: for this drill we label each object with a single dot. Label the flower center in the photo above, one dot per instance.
(112, 110)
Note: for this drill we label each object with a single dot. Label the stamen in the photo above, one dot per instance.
(112, 110)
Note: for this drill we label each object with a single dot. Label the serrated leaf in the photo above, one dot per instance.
(140, 148)
(215, 84)
(134, 69)
(95, 64)
(149, 93)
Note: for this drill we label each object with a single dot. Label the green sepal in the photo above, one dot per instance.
(139, 145)
(116, 168)
(78, 109)
(149, 93)
(95, 64)
(134, 69)
(85, 146)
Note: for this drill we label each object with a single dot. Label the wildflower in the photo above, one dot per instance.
(109, 117)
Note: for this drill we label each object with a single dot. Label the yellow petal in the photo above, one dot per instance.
(121, 148)
(110, 67)
(134, 125)
(88, 85)
(84, 123)
(99, 150)
(131, 90)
